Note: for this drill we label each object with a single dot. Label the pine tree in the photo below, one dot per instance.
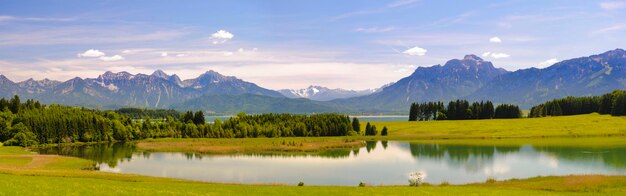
(368, 128)
(356, 125)
(15, 104)
(198, 118)
(413, 112)
(384, 131)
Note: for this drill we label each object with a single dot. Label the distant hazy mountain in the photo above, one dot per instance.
(455, 79)
(468, 78)
(320, 93)
(223, 103)
(593, 75)
(123, 89)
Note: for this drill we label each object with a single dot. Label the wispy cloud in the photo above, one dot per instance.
(613, 5)
(375, 29)
(511, 20)
(453, 19)
(5, 18)
(391, 6)
(402, 3)
(79, 35)
(616, 27)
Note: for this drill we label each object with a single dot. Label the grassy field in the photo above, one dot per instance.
(599, 131)
(26, 173)
(56, 175)
(562, 126)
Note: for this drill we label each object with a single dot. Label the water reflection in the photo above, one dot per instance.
(378, 162)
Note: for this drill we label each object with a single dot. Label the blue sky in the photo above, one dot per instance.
(293, 44)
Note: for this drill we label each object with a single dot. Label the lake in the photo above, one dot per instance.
(377, 163)
(381, 118)
(211, 119)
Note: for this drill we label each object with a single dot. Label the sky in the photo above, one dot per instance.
(280, 44)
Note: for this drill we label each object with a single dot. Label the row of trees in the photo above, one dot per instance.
(32, 123)
(613, 103)
(140, 113)
(461, 110)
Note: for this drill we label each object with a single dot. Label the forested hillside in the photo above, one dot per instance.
(31, 123)
(611, 103)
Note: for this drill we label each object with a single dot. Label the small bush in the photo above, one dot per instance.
(444, 183)
(416, 178)
(301, 184)
(362, 184)
(491, 180)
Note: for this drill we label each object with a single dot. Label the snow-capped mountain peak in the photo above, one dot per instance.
(320, 93)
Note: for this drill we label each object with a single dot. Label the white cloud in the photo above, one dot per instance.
(181, 55)
(240, 50)
(486, 54)
(415, 51)
(495, 40)
(91, 53)
(127, 52)
(375, 29)
(499, 55)
(613, 5)
(112, 58)
(164, 54)
(229, 53)
(548, 62)
(221, 37)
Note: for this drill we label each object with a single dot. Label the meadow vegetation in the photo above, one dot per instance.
(57, 175)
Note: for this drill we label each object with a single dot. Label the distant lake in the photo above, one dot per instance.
(211, 119)
(381, 118)
(378, 163)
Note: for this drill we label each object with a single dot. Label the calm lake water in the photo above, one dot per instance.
(381, 118)
(211, 119)
(378, 163)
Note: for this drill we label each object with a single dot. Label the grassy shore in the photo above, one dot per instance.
(26, 173)
(250, 145)
(562, 126)
(599, 131)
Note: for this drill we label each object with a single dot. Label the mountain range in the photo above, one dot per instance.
(469, 78)
(320, 93)
(112, 90)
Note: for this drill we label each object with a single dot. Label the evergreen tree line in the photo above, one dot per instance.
(140, 113)
(32, 123)
(461, 110)
(613, 103)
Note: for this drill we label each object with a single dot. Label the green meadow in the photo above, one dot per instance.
(23, 172)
